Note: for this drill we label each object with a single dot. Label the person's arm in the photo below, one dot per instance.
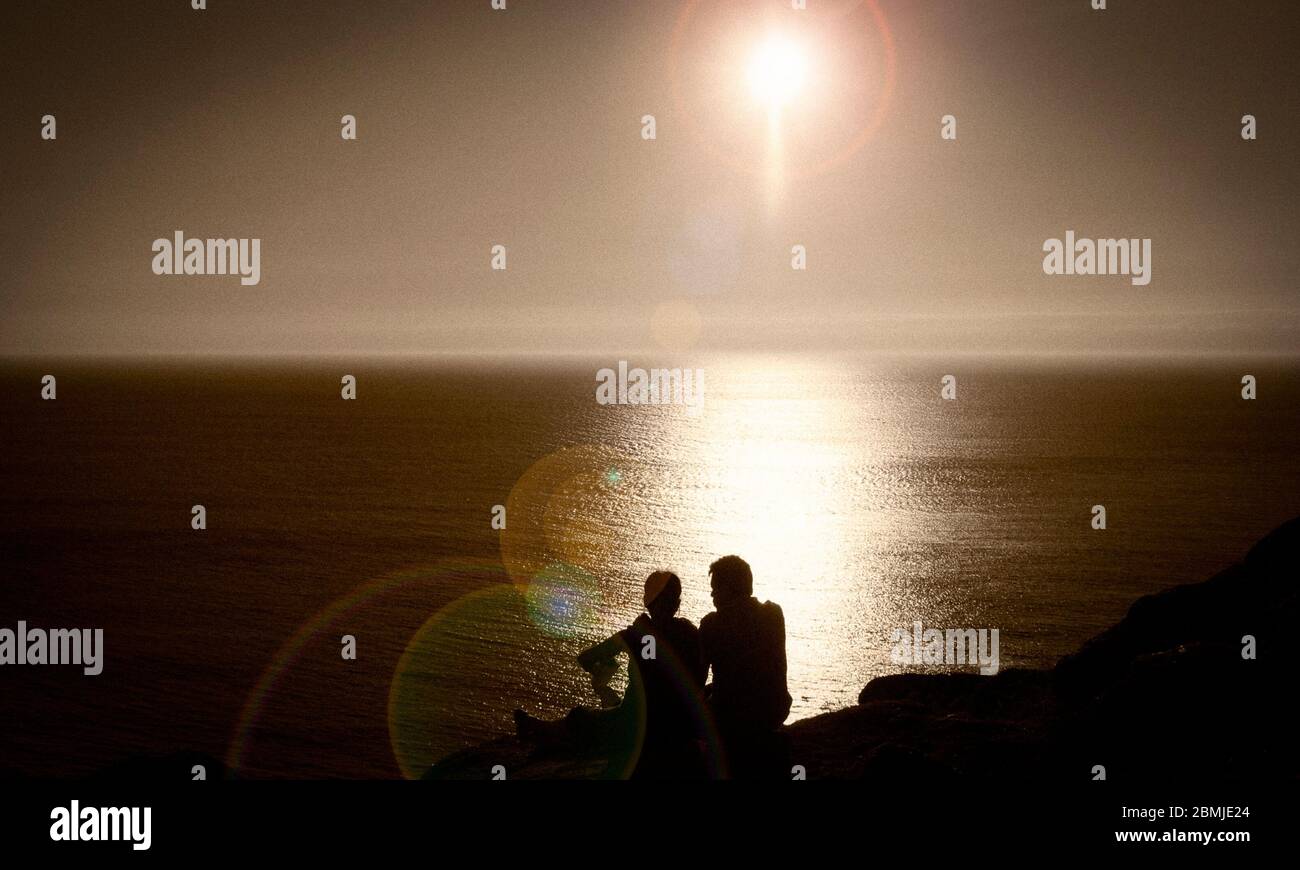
(699, 668)
(779, 634)
(603, 651)
(706, 658)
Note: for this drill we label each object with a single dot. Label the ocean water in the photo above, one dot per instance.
(862, 501)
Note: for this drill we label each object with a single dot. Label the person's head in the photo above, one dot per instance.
(731, 581)
(663, 594)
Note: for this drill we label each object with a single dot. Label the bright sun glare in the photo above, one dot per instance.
(777, 70)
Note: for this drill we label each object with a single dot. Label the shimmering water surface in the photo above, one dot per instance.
(861, 499)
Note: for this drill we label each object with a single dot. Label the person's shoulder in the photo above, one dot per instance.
(685, 626)
(633, 633)
(709, 621)
(772, 610)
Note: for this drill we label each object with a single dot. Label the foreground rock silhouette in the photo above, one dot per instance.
(1164, 696)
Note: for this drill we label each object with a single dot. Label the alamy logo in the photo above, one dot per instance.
(652, 387)
(1100, 257)
(953, 646)
(182, 256)
(103, 823)
(58, 646)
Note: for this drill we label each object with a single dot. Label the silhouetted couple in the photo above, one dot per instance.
(669, 722)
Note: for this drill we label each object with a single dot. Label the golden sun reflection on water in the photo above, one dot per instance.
(774, 464)
(862, 500)
(778, 469)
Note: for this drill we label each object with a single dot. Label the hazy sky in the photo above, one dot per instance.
(522, 128)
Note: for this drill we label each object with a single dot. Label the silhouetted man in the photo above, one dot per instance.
(744, 643)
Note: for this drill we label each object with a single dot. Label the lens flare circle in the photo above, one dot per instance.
(472, 573)
(565, 601)
(554, 513)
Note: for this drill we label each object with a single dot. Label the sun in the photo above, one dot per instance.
(777, 70)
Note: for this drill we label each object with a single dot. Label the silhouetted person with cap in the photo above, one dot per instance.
(743, 641)
(664, 694)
